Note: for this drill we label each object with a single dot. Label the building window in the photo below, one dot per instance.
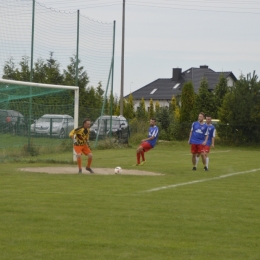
(176, 85)
(153, 91)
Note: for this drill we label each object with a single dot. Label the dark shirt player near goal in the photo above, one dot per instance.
(80, 137)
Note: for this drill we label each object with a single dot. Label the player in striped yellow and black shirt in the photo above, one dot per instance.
(80, 136)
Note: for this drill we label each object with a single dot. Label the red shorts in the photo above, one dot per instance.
(207, 149)
(197, 148)
(146, 146)
(80, 149)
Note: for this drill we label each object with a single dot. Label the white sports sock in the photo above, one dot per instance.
(207, 162)
(197, 160)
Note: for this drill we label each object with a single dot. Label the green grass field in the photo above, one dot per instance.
(179, 215)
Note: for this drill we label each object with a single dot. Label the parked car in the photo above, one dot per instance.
(53, 125)
(11, 121)
(101, 127)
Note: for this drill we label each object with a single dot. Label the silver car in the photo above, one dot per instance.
(53, 125)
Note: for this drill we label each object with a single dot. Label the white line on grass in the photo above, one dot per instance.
(211, 152)
(202, 180)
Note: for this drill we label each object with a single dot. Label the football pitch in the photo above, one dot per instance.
(180, 214)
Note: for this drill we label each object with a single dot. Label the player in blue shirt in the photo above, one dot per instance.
(211, 139)
(148, 143)
(198, 139)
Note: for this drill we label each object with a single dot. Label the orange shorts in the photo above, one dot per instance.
(80, 149)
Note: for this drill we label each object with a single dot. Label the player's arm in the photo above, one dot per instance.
(213, 138)
(190, 133)
(207, 137)
(189, 137)
(148, 139)
(72, 134)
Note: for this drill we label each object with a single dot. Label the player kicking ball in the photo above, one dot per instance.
(80, 136)
(198, 139)
(148, 143)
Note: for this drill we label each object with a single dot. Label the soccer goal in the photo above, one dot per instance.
(35, 120)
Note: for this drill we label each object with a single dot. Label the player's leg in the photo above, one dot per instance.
(197, 159)
(86, 150)
(194, 152)
(139, 151)
(203, 156)
(143, 148)
(207, 161)
(207, 149)
(78, 152)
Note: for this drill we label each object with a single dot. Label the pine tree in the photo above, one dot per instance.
(220, 91)
(141, 113)
(157, 107)
(10, 71)
(151, 110)
(187, 103)
(129, 111)
(204, 101)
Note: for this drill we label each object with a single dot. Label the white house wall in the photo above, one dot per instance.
(230, 82)
(163, 103)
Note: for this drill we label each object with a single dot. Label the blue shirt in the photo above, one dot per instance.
(153, 131)
(212, 133)
(199, 132)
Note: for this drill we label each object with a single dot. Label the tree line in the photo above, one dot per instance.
(237, 107)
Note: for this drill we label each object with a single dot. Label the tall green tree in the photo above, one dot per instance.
(129, 112)
(151, 109)
(10, 71)
(187, 103)
(172, 105)
(241, 111)
(40, 74)
(24, 69)
(220, 91)
(157, 108)
(53, 74)
(141, 113)
(69, 75)
(204, 101)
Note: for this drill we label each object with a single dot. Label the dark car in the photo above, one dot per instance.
(119, 128)
(11, 121)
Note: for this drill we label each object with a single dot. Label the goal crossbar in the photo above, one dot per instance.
(41, 85)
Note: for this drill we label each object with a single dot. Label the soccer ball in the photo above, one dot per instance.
(118, 169)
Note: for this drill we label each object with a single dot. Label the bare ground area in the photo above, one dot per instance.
(74, 170)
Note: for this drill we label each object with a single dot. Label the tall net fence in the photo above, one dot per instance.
(57, 32)
(80, 48)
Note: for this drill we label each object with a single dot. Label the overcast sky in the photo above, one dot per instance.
(165, 34)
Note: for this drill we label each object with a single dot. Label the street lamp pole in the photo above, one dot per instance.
(122, 62)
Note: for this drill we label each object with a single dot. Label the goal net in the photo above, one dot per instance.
(35, 120)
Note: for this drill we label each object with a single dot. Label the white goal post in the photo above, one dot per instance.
(63, 87)
(40, 85)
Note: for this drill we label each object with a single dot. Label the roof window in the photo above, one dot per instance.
(176, 85)
(153, 91)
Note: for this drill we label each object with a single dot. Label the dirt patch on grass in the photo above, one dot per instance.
(74, 170)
